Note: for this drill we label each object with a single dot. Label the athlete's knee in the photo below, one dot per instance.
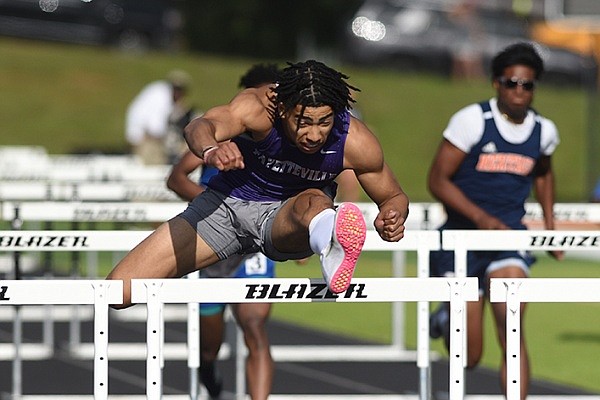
(254, 330)
(309, 203)
(253, 325)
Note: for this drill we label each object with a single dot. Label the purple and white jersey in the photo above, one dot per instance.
(276, 170)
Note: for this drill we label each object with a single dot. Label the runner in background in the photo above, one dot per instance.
(251, 317)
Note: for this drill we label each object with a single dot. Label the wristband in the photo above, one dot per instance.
(207, 150)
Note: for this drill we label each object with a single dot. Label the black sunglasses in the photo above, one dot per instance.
(511, 83)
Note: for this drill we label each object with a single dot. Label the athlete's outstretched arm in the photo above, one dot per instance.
(207, 136)
(364, 155)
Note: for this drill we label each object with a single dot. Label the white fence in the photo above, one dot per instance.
(85, 191)
(105, 208)
(29, 173)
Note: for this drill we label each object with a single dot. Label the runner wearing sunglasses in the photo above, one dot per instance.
(513, 82)
(491, 155)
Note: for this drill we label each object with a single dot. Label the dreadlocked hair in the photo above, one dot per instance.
(313, 84)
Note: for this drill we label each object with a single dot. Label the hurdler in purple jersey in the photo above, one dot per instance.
(275, 169)
(278, 149)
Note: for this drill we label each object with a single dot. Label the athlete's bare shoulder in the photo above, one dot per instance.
(362, 151)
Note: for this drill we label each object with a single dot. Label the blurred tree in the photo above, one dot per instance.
(265, 28)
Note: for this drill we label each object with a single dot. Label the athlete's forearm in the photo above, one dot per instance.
(544, 192)
(200, 136)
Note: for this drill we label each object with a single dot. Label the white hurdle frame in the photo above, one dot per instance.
(516, 291)
(157, 292)
(65, 241)
(100, 293)
(85, 240)
(78, 211)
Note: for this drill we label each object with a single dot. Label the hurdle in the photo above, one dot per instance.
(35, 164)
(63, 241)
(421, 241)
(87, 211)
(69, 240)
(515, 291)
(93, 206)
(130, 212)
(89, 241)
(157, 292)
(18, 213)
(98, 293)
(85, 191)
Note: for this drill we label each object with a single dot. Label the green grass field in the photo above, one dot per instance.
(69, 98)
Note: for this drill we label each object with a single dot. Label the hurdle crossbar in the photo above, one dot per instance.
(535, 240)
(516, 291)
(42, 207)
(79, 211)
(542, 240)
(70, 240)
(157, 292)
(85, 191)
(59, 201)
(100, 293)
(26, 165)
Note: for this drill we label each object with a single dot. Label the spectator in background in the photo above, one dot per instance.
(251, 317)
(467, 54)
(491, 155)
(156, 117)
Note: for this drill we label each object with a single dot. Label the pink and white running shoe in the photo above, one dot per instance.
(339, 259)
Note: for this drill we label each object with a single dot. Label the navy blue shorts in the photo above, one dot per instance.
(479, 263)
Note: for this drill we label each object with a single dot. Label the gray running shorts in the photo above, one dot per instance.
(233, 226)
